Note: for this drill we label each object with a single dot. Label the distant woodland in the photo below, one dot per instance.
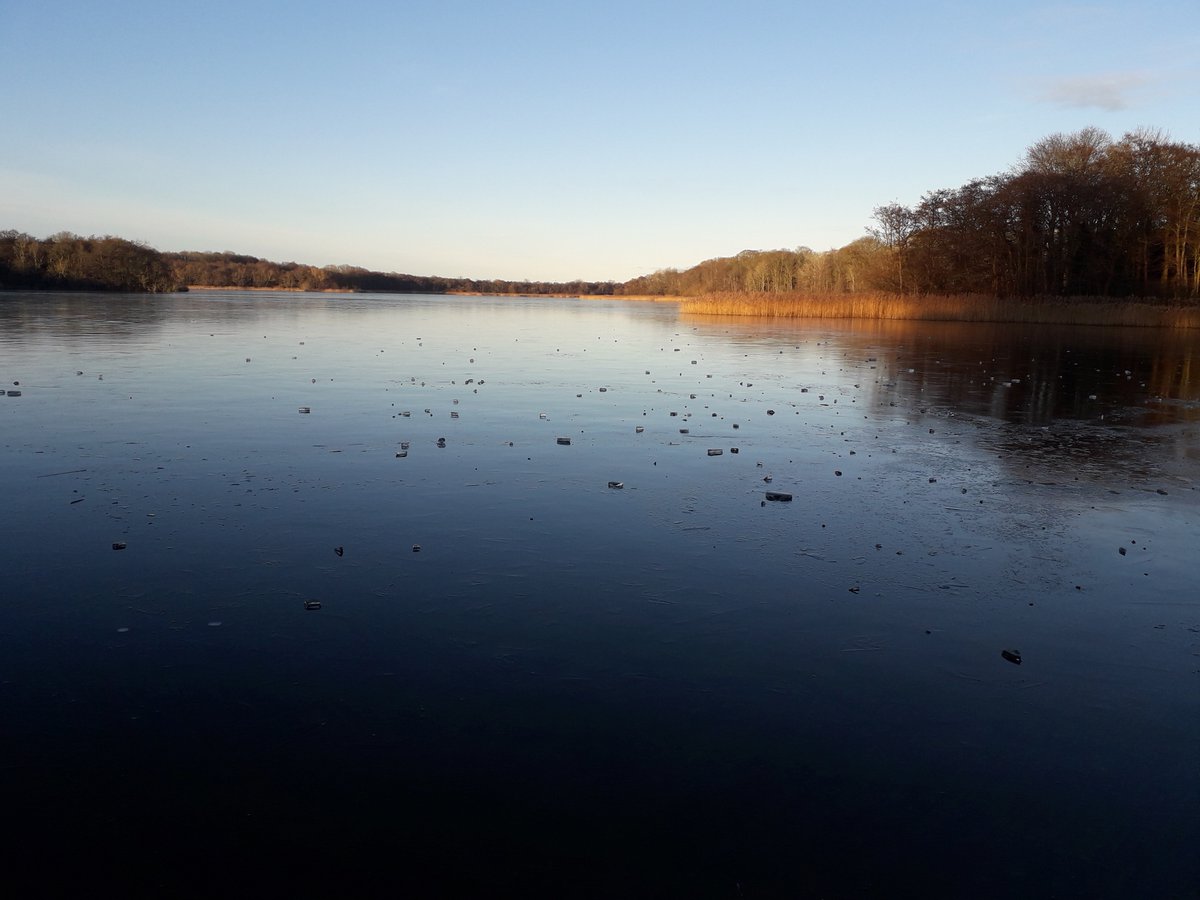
(1081, 215)
(68, 261)
(233, 270)
(72, 263)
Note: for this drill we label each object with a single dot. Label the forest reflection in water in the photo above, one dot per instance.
(1090, 393)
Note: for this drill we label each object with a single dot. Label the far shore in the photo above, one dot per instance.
(268, 290)
(1128, 312)
(652, 298)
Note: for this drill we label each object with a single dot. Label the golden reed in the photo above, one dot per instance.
(950, 308)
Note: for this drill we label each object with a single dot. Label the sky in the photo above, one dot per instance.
(549, 141)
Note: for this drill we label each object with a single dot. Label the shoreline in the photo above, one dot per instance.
(1128, 312)
(1136, 312)
(648, 298)
(265, 290)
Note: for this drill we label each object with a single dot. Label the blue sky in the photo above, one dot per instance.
(595, 140)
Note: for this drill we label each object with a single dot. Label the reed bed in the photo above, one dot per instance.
(1136, 311)
(641, 298)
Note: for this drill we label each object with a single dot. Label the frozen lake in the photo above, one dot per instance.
(675, 686)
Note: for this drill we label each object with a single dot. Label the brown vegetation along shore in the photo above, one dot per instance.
(269, 290)
(954, 307)
(650, 298)
(643, 298)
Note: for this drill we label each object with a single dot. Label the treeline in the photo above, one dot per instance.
(1080, 216)
(857, 266)
(238, 271)
(69, 262)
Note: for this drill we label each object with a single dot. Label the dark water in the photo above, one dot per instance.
(674, 688)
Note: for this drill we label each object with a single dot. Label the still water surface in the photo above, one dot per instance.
(673, 687)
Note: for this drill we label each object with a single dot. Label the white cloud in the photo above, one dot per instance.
(1112, 92)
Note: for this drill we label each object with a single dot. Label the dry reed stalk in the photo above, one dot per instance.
(644, 298)
(952, 308)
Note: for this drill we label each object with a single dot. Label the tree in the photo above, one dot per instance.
(1069, 154)
(897, 225)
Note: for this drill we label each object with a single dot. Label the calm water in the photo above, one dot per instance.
(672, 688)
